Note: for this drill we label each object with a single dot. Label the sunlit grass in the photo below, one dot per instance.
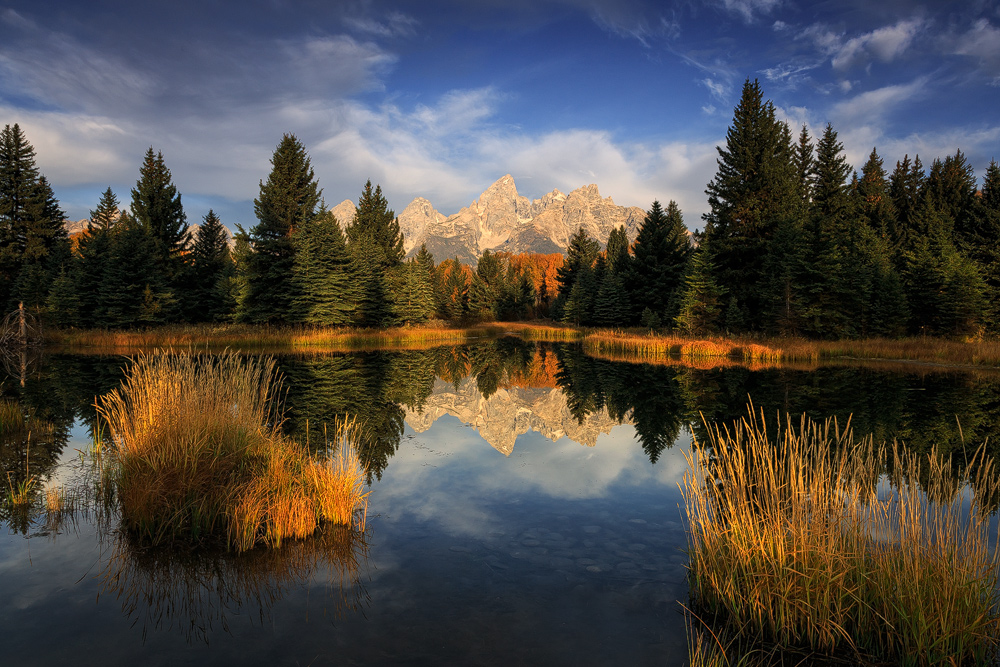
(194, 450)
(796, 540)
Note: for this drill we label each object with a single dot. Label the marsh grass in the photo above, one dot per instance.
(797, 540)
(193, 449)
(652, 348)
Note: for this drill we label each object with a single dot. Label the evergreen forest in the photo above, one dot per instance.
(796, 242)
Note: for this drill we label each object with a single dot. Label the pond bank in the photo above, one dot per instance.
(614, 345)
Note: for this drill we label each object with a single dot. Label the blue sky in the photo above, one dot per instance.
(439, 98)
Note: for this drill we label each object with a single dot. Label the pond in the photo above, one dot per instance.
(524, 510)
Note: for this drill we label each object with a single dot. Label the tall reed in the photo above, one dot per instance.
(798, 540)
(194, 449)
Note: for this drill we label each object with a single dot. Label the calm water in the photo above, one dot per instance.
(524, 510)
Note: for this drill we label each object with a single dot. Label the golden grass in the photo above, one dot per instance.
(262, 338)
(653, 348)
(798, 541)
(194, 450)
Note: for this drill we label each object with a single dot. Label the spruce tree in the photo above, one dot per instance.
(286, 201)
(156, 207)
(617, 251)
(829, 295)
(804, 164)
(754, 189)
(662, 250)
(700, 306)
(580, 257)
(323, 274)
(94, 259)
(32, 238)
(487, 287)
(46, 247)
(411, 294)
(211, 269)
(874, 202)
(130, 294)
(376, 244)
(990, 193)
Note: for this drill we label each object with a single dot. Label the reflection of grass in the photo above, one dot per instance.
(16, 423)
(194, 449)
(790, 542)
(193, 591)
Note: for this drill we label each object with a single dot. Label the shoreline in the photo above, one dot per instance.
(633, 346)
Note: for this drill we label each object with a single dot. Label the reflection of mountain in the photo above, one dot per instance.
(508, 413)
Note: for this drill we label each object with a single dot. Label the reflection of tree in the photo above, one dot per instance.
(650, 394)
(192, 591)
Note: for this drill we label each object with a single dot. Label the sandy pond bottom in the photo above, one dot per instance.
(558, 554)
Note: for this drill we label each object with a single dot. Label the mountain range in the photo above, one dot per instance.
(503, 220)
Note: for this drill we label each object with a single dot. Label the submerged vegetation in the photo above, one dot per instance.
(798, 540)
(194, 449)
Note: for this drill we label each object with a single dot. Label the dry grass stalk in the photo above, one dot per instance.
(797, 540)
(194, 449)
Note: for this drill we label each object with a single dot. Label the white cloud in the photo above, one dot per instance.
(884, 44)
(749, 9)
(982, 42)
(396, 24)
(718, 90)
(874, 104)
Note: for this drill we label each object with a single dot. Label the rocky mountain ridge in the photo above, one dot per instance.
(501, 219)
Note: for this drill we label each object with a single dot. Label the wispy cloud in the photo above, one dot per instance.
(396, 24)
(884, 44)
(873, 105)
(750, 10)
(982, 42)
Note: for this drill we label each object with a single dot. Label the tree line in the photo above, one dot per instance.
(795, 243)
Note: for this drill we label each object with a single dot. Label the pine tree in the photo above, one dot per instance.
(701, 300)
(130, 294)
(32, 237)
(411, 294)
(94, 259)
(375, 221)
(580, 257)
(157, 208)
(804, 164)
(46, 248)
(323, 274)
(662, 250)
(211, 269)
(287, 201)
(754, 189)
(829, 296)
(452, 280)
(874, 202)
(991, 187)
(617, 251)
(376, 244)
(905, 189)
(487, 288)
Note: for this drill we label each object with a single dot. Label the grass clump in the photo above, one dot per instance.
(194, 450)
(797, 540)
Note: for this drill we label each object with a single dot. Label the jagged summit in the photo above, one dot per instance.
(501, 219)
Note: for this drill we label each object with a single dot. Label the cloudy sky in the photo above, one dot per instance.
(440, 98)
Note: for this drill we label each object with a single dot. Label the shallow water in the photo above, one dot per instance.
(525, 513)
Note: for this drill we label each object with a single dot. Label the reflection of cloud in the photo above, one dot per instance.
(459, 478)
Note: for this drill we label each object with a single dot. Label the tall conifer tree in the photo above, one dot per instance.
(287, 201)
(753, 190)
(662, 250)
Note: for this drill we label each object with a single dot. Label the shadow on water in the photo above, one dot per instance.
(197, 592)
